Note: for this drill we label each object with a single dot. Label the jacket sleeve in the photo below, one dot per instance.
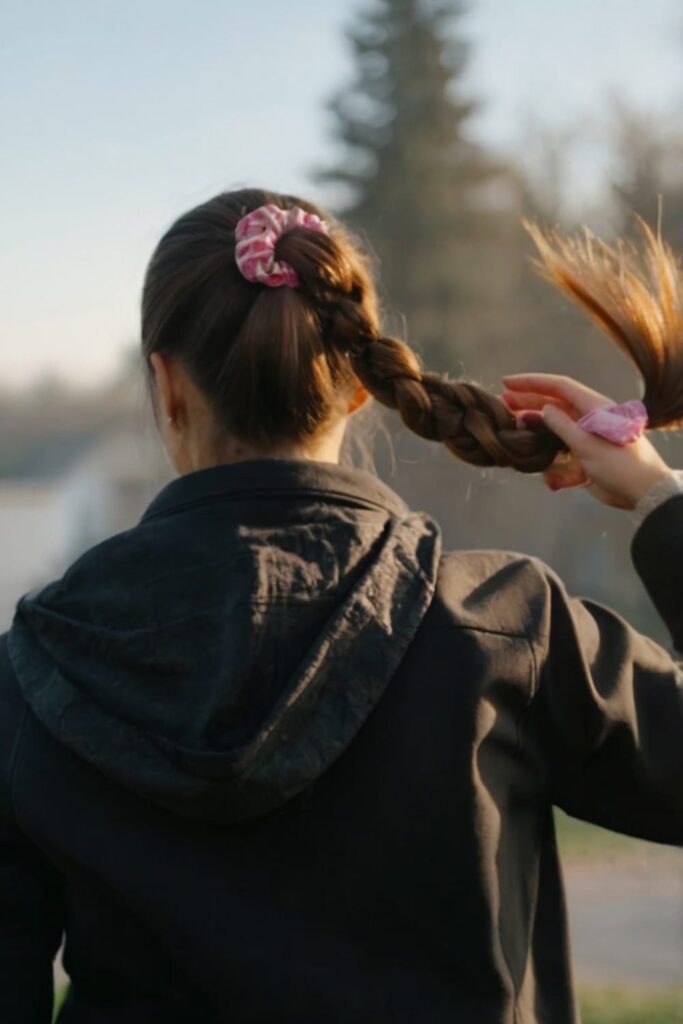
(31, 909)
(604, 725)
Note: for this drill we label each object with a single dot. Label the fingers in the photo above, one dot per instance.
(529, 400)
(565, 472)
(531, 419)
(555, 483)
(566, 389)
(579, 441)
(564, 426)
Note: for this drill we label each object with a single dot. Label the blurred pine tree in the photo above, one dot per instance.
(648, 176)
(442, 214)
(425, 194)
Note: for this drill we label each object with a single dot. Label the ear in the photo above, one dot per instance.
(166, 384)
(359, 398)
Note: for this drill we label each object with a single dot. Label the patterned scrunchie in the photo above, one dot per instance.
(257, 233)
(620, 423)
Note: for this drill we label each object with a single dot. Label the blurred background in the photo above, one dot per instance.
(432, 128)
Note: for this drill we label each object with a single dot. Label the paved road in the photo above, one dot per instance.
(626, 920)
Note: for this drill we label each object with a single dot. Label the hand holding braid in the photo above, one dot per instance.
(474, 425)
(635, 296)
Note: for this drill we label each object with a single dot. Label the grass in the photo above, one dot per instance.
(604, 1005)
(60, 996)
(579, 840)
(637, 1006)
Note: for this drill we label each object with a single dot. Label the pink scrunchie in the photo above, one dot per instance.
(256, 234)
(619, 424)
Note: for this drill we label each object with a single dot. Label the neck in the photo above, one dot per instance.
(191, 457)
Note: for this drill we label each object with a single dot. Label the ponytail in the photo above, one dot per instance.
(279, 365)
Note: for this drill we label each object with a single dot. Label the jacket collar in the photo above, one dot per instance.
(267, 478)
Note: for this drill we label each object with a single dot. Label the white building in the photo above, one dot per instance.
(100, 488)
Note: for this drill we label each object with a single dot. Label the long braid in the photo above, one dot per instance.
(279, 364)
(473, 424)
(634, 294)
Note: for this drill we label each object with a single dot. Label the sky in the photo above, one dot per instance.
(118, 115)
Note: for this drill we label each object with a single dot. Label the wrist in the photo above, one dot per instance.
(662, 488)
(649, 478)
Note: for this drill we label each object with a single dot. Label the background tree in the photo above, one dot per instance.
(423, 191)
(648, 172)
(443, 216)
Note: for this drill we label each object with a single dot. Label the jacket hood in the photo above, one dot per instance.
(217, 657)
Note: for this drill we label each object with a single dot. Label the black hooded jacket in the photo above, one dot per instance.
(272, 757)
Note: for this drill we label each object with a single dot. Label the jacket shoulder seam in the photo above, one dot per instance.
(510, 633)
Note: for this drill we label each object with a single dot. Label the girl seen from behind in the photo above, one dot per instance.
(272, 755)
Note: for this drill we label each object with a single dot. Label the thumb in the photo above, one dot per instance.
(557, 420)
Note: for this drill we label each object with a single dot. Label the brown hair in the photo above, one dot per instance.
(276, 364)
(634, 293)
